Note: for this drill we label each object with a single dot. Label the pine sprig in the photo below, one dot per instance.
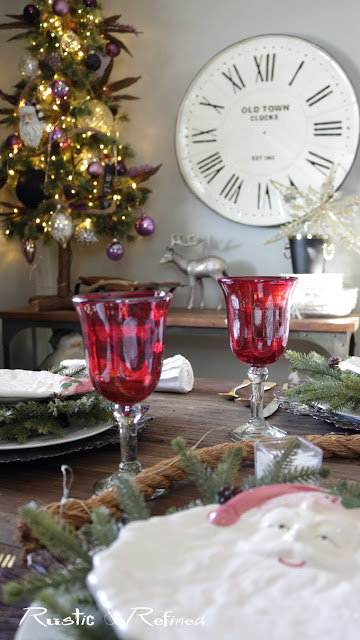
(56, 535)
(326, 385)
(349, 492)
(228, 467)
(208, 481)
(131, 501)
(26, 419)
(102, 530)
(312, 364)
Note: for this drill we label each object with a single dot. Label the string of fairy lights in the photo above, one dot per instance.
(65, 161)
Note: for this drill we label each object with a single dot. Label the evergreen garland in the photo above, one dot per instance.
(326, 384)
(25, 419)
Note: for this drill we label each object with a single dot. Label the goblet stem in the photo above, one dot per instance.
(128, 440)
(256, 426)
(257, 377)
(128, 429)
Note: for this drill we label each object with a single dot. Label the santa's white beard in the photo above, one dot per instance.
(31, 132)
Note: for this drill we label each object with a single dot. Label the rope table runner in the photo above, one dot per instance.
(164, 473)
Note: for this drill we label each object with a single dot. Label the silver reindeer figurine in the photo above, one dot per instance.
(196, 270)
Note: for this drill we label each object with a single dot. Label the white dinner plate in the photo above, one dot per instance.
(31, 629)
(73, 432)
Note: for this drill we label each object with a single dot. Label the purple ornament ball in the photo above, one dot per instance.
(145, 226)
(90, 4)
(53, 59)
(31, 13)
(95, 169)
(60, 8)
(112, 49)
(78, 206)
(121, 168)
(13, 142)
(115, 250)
(60, 89)
(56, 133)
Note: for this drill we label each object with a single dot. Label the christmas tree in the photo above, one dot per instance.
(66, 170)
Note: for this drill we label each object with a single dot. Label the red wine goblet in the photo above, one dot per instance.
(258, 315)
(123, 336)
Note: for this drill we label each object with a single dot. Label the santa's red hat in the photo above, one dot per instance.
(231, 511)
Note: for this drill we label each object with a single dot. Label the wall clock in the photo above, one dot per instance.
(268, 108)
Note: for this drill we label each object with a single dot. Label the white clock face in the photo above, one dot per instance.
(267, 109)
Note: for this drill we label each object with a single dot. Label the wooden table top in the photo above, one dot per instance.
(202, 318)
(199, 414)
(190, 415)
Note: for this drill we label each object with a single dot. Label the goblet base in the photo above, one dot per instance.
(127, 469)
(255, 428)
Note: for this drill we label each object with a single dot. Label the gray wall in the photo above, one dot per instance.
(177, 39)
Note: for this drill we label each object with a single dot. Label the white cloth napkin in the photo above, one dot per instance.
(176, 375)
(350, 364)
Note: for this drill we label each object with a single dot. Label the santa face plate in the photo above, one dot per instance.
(285, 568)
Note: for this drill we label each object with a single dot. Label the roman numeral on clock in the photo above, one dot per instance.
(238, 83)
(263, 196)
(207, 103)
(232, 188)
(211, 166)
(209, 135)
(296, 72)
(319, 162)
(329, 128)
(265, 67)
(319, 95)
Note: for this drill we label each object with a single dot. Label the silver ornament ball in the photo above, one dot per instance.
(99, 117)
(29, 66)
(70, 42)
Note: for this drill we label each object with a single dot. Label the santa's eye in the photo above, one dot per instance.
(326, 538)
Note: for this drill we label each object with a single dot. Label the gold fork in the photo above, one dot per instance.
(245, 383)
(232, 393)
(7, 560)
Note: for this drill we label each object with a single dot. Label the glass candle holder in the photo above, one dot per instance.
(266, 450)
